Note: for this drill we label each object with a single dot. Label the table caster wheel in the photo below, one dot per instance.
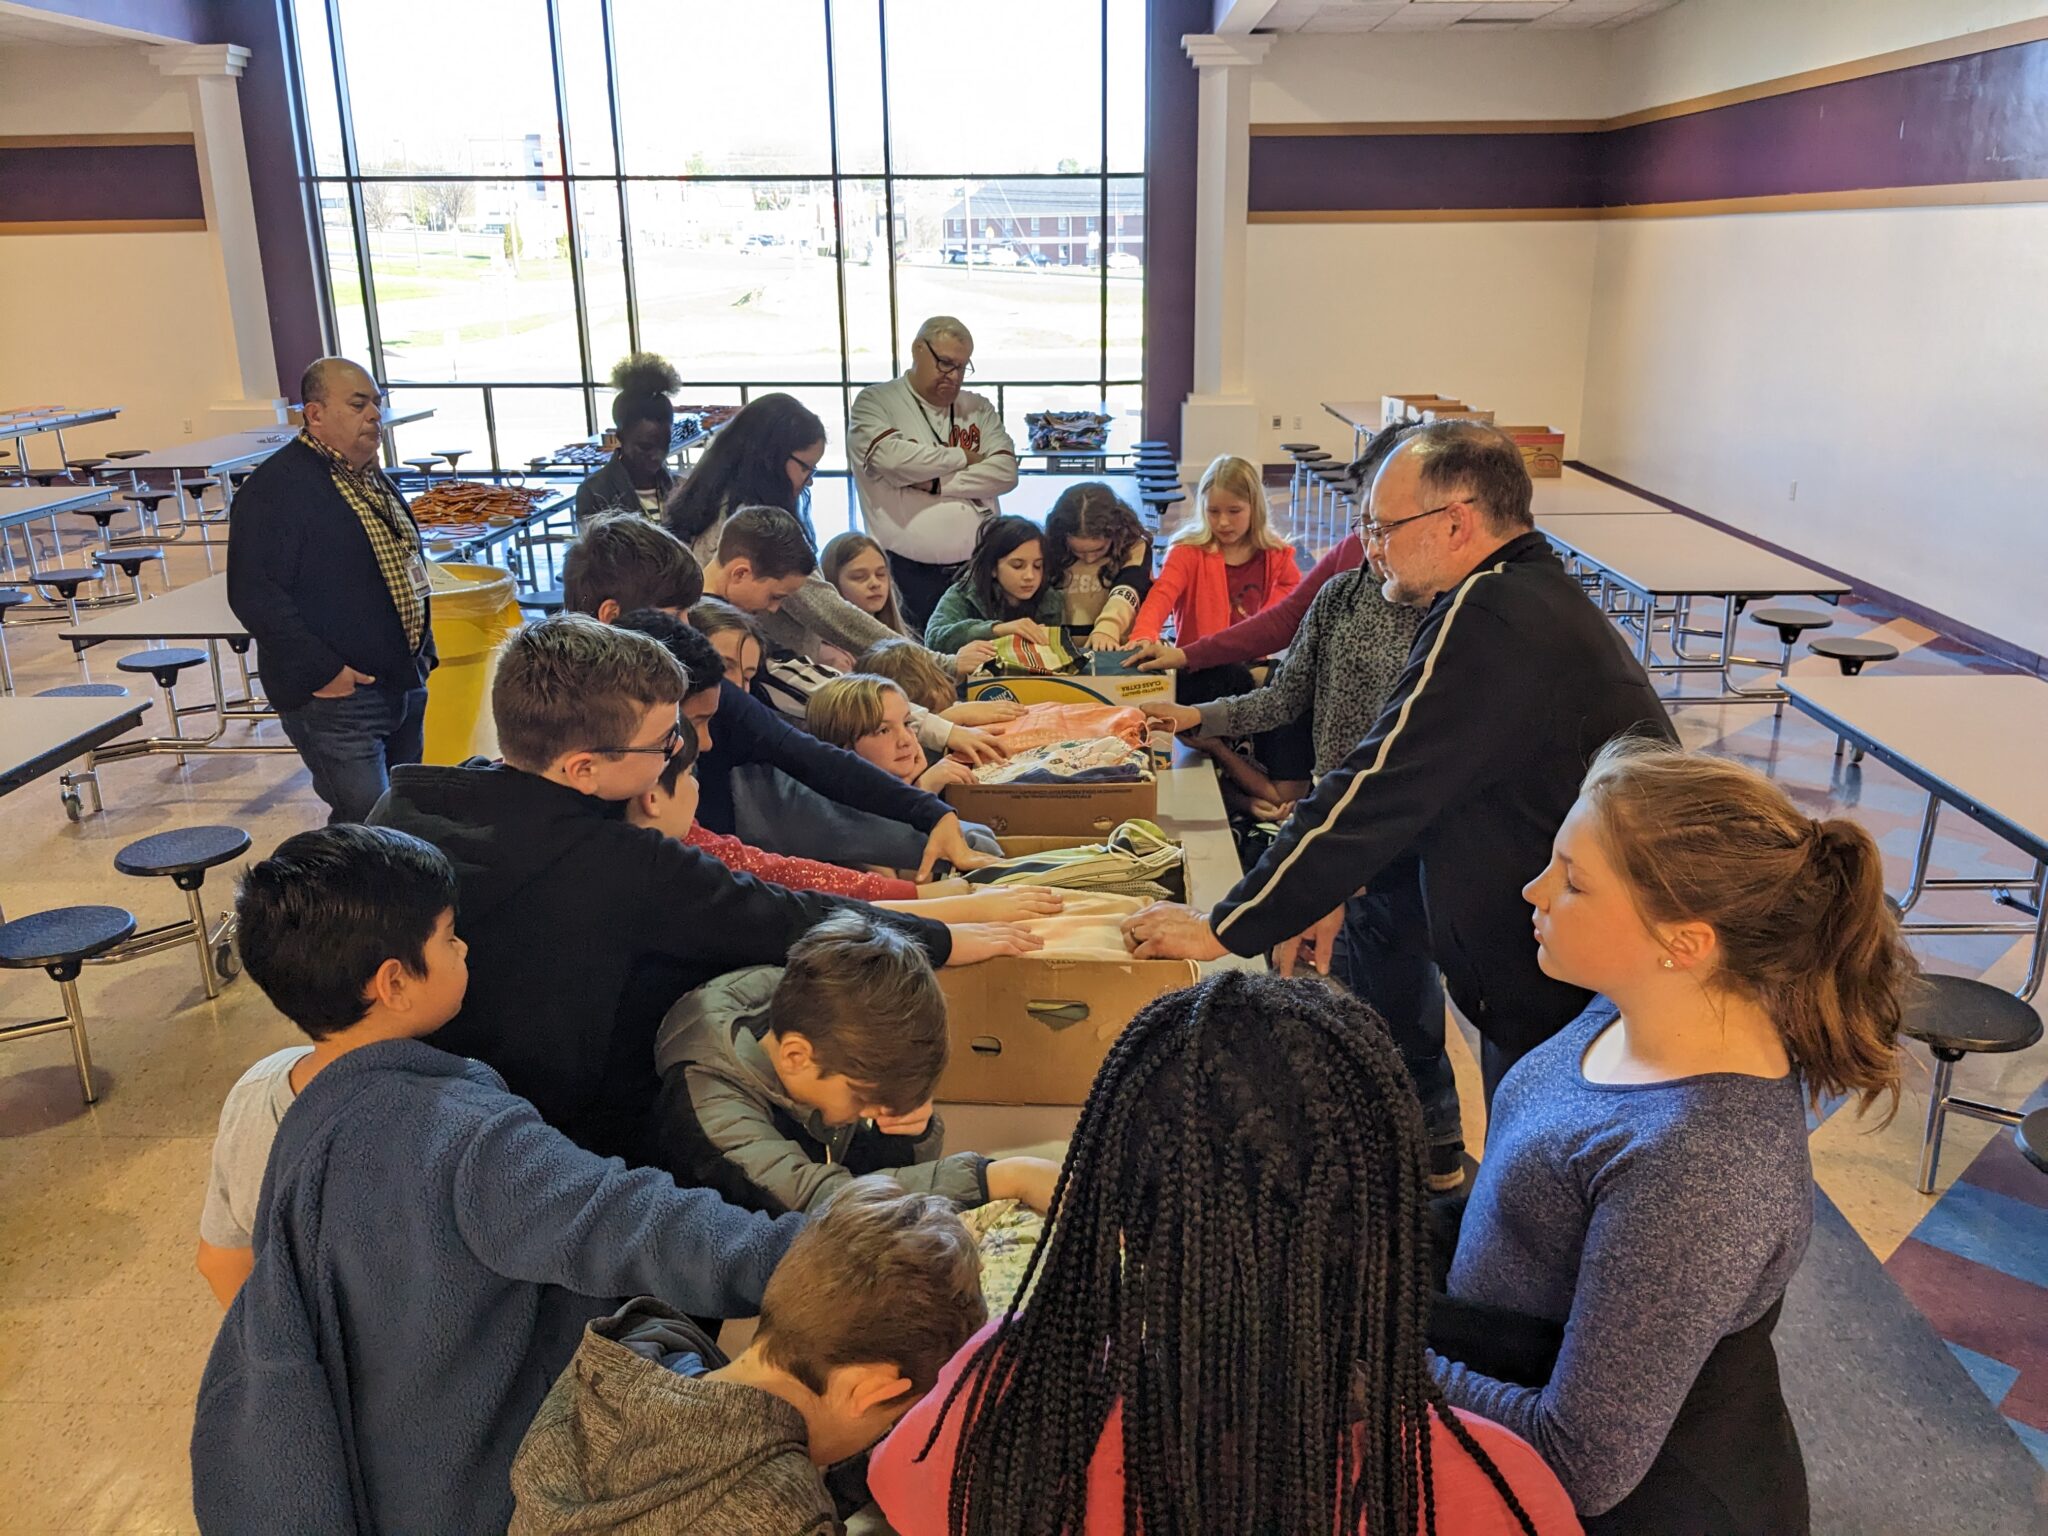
(74, 808)
(227, 962)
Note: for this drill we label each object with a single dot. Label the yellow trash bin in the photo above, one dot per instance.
(474, 610)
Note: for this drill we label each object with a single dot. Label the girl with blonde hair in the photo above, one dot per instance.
(1646, 1192)
(870, 717)
(1227, 566)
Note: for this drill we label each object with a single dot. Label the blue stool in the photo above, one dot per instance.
(65, 583)
(1953, 1017)
(185, 856)
(69, 779)
(60, 941)
(132, 561)
(545, 602)
(2031, 1136)
(10, 598)
(165, 665)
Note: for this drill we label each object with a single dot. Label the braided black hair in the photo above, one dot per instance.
(1238, 1253)
(644, 382)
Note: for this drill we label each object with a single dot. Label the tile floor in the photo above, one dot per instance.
(104, 1323)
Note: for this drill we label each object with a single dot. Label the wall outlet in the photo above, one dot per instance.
(188, 426)
(1297, 423)
(1276, 423)
(1793, 494)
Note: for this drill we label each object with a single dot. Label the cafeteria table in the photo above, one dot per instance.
(1973, 741)
(22, 424)
(196, 614)
(39, 736)
(1361, 416)
(1576, 494)
(1663, 562)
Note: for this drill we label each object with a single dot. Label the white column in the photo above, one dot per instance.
(211, 70)
(1219, 417)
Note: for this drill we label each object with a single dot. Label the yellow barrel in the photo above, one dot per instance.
(474, 610)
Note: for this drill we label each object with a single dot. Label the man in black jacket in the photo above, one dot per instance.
(563, 902)
(326, 572)
(1514, 682)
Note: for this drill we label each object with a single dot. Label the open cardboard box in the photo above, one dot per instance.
(1106, 680)
(1030, 1030)
(1542, 450)
(1072, 813)
(1395, 409)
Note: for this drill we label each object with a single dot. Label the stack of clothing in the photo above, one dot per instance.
(1016, 654)
(1043, 724)
(1105, 760)
(1088, 926)
(1137, 859)
(1067, 431)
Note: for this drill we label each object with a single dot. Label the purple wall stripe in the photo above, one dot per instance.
(48, 185)
(1982, 118)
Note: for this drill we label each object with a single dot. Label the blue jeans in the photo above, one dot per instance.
(352, 744)
(1382, 956)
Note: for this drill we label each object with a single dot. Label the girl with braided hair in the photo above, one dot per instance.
(637, 478)
(1646, 1192)
(1225, 1325)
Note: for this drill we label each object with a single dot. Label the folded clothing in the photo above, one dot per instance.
(1043, 724)
(1005, 1232)
(1137, 859)
(1106, 759)
(1016, 654)
(1088, 927)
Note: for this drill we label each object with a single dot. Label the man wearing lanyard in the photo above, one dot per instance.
(326, 572)
(929, 460)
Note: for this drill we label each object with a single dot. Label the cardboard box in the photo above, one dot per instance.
(1106, 681)
(1450, 411)
(1394, 409)
(1027, 1030)
(1542, 450)
(1070, 812)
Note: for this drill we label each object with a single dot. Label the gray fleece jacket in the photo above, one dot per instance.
(632, 1440)
(726, 1123)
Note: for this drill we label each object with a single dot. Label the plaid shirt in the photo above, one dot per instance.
(393, 538)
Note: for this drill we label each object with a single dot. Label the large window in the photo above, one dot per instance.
(513, 194)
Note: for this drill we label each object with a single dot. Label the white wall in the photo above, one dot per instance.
(1495, 313)
(1887, 360)
(135, 320)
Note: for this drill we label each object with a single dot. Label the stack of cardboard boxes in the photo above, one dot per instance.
(1542, 447)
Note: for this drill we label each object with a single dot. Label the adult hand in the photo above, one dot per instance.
(972, 657)
(1168, 931)
(947, 770)
(974, 456)
(1158, 656)
(976, 942)
(984, 711)
(975, 747)
(1026, 629)
(948, 842)
(1271, 810)
(344, 683)
(915, 1123)
(1182, 717)
(1029, 1180)
(1312, 944)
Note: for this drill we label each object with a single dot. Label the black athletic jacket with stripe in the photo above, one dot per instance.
(1514, 682)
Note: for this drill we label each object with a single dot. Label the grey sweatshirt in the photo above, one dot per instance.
(1345, 661)
(726, 1123)
(633, 1441)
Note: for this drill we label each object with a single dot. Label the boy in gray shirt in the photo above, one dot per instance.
(241, 1151)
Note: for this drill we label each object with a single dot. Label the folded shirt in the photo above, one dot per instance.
(1137, 859)
(1043, 724)
(1107, 758)
(1088, 927)
(1016, 654)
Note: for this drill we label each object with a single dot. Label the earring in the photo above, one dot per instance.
(1667, 963)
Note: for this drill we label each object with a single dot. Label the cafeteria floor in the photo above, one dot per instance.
(104, 1324)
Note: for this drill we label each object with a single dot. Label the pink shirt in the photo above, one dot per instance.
(913, 1494)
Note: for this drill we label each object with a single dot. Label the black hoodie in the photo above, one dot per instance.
(582, 929)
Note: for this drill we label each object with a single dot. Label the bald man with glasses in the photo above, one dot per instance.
(929, 459)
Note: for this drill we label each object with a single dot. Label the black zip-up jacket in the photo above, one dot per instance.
(303, 580)
(570, 912)
(611, 489)
(1514, 682)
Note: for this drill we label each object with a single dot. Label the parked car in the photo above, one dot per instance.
(1122, 261)
(997, 256)
(956, 255)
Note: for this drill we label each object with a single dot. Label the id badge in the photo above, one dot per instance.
(416, 573)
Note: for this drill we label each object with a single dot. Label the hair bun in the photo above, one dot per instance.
(645, 373)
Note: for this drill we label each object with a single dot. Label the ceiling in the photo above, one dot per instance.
(1475, 16)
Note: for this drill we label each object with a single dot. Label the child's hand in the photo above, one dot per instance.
(1157, 656)
(975, 746)
(1102, 640)
(1181, 717)
(983, 712)
(915, 1123)
(976, 942)
(973, 656)
(934, 889)
(1271, 810)
(947, 770)
(1030, 1180)
(1026, 629)
(1005, 904)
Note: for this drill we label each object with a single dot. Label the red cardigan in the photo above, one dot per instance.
(1194, 587)
(1272, 629)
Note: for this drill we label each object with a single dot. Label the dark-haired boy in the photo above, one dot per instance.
(621, 562)
(652, 1430)
(779, 1084)
(426, 1250)
(563, 899)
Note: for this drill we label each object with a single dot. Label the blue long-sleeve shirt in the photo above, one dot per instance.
(1652, 1220)
(427, 1252)
(746, 731)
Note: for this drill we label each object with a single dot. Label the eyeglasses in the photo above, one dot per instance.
(666, 747)
(948, 369)
(810, 470)
(1379, 533)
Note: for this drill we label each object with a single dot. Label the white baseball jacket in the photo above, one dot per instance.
(919, 497)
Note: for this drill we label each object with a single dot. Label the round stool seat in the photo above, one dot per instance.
(1956, 1015)
(62, 935)
(130, 560)
(1314, 456)
(1852, 652)
(1157, 444)
(181, 851)
(424, 466)
(149, 499)
(85, 466)
(13, 597)
(85, 691)
(452, 455)
(1790, 623)
(68, 580)
(1299, 447)
(197, 486)
(548, 601)
(2031, 1136)
(164, 665)
(1160, 498)
(100, 515)
(126, 453)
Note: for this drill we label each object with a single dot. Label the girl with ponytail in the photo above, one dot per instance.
(1646, 1192)
(1225, 1323)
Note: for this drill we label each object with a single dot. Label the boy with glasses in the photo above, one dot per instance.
(929, 459)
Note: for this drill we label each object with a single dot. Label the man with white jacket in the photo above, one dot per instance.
(929, 460)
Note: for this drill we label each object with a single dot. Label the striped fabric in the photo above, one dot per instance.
(1137, 859)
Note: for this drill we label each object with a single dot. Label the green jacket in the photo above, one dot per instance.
(960, 616)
